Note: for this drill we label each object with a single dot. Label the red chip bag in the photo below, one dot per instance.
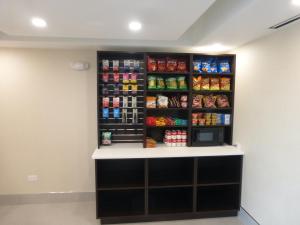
(181, 65)
(161, 65)
(152, 67)
(171, 65)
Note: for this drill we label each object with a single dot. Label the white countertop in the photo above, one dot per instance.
(136, 151)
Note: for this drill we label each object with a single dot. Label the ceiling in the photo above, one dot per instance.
(167, 24)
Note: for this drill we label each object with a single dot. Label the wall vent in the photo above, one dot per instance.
(286, 22)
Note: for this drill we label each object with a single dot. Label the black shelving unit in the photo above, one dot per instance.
(141, 190)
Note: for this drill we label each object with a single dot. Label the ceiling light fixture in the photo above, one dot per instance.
(296, 2)
(38, 22)
(135, 26)
(212, 48)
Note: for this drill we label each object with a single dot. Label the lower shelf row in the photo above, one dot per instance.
(113, 203)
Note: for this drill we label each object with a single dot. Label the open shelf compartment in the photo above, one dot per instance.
(121, 203)
(215, 198)
(120, 173)
(170, 171)
(216, 170)
(170, 200)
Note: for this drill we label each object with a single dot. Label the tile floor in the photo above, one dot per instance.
(78, 213)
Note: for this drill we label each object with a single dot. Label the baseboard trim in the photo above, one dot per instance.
(53, 197)
(246, 218)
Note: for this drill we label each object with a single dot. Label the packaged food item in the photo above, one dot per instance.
(125, 78)
(225, 84)
(116, 77)
(197, 66)
(205, 66)
(160, 122)
(162, 101)
(181, 65)
(213, 119)
(171, 65)
(183, 98)
(219, 119)
(150, 143)
(134, 101)
(195, 119)
(150, 102)
(222, 101)
(174, 102)
(151, 82)
(150, 121)
(134, 89)
(160, 83)
(105, 113)
(133, 78)
(106, 138)
(161, 65)
(201, 121)
(224, 66)
(181, 83)
(171, 83)
(127, 65)
(104, 90)
(152, 67)
(205, 83)
(197, 83)
(213, 66)
(209, 101)
(136, 65)
(116, 89)
(105, 102)
(227, 119)
(214, 84)
(207, 117)
(115, 65)
(105, 65)
(125, 89)
(116, 102)
(184, 104)
(116, 113)
(134, 116)
(197, 101)
(105, 77)
(125, 101)
(124, 115)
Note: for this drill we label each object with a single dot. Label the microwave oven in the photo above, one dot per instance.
(212, 136)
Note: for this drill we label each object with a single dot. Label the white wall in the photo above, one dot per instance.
(267, 126)
(47, 121)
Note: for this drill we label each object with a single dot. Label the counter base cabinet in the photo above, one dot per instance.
(143, 190)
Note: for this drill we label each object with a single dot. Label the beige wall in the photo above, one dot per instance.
(267, 126)
(47, 121)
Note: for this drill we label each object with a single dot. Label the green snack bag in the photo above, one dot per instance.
(182, 83)
(171, 83)
(151, 82)
(160, 83)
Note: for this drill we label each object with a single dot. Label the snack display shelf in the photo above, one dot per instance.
(168, 91)
(214, 74)
(167, 109)
(169, 126)
(169, 73)
(211, 92)
(210, 109)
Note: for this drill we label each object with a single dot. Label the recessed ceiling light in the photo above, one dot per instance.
(296, 2)
(212, 48)
(135, 26)
(38, 22)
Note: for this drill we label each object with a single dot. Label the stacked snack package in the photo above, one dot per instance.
(150, 143)
(175, 138)
(210, 119)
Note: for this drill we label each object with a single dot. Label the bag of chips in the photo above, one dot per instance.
(181, 83)
(127, 65)
(205, 66)
(105, 65)
(152, 67)
(134, 89)
(115, 65)
(116, 77)
(205, 83)
(105, 77)
(116, 89)
(136, 65)
(161, 65)
(213, 66)
(116, 113)
(171, 65)
(105, 113)
(197, 83)
(181, 65)
(197, 101)
(214, 84)
(106, 138)
(105, 90)
(210, 101)
(162, 101)
(125, 78)
(160, 83)
(116, 102)
(150, 102)
(225, 84)
(133, 78)
(105, 102)
(171, 83)
(222, 101)
(151, 82)
(125, 89)
(197, 66)
(224, 66)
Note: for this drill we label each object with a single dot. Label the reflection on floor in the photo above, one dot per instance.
(78, 213)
